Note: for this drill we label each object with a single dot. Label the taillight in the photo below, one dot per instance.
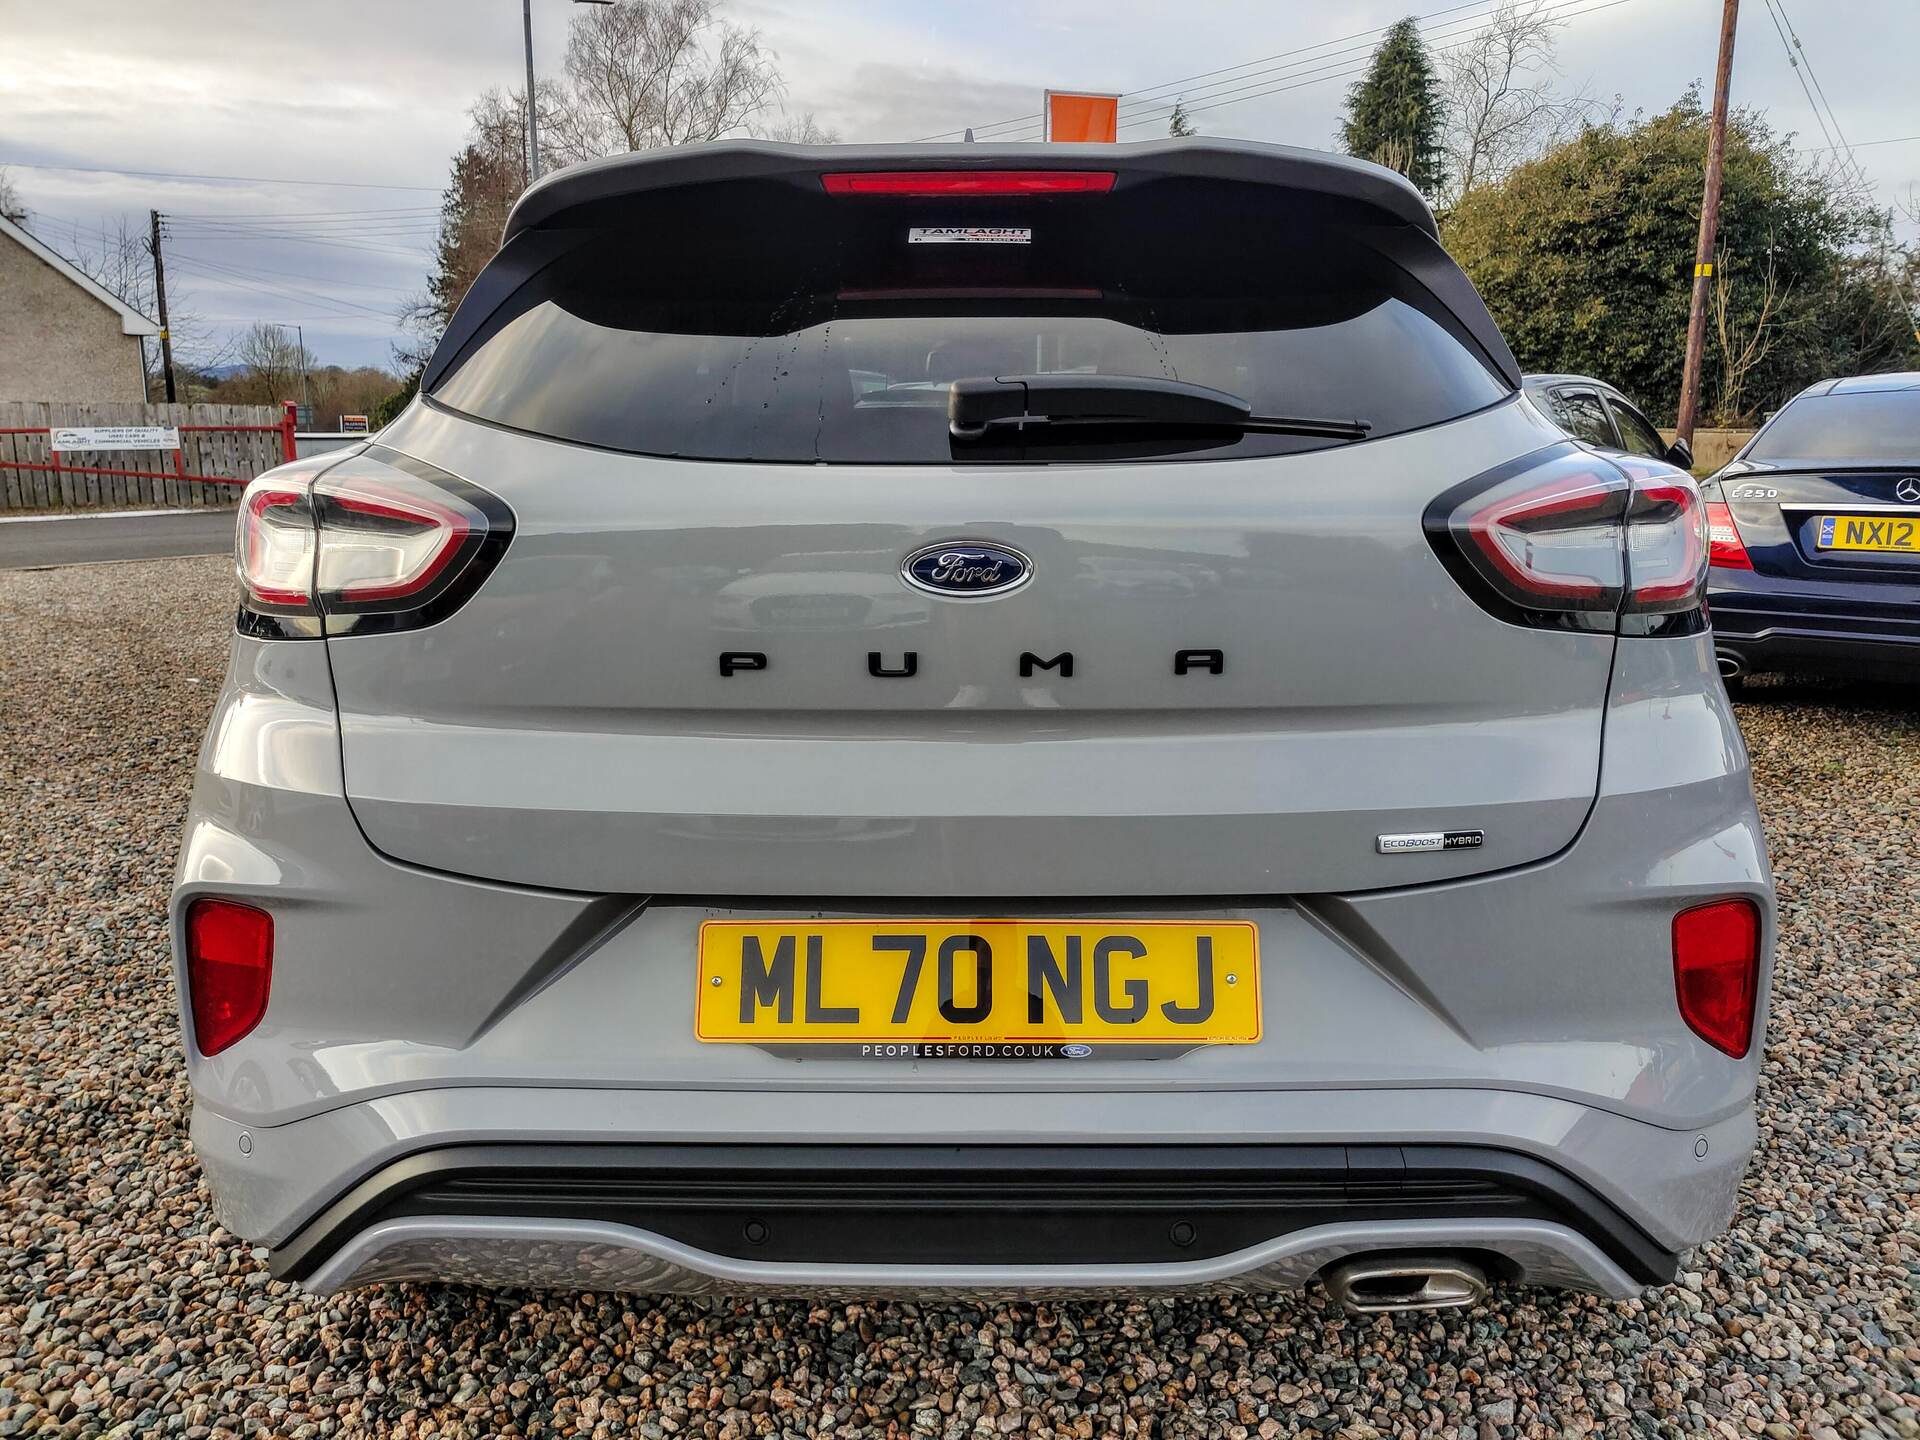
(1666, 539)
(1570, 538)
(1716, 972)
(273, 546)
(946, 184)
(1725, 548)
(378, 541)
(229, 970)
(385, 544)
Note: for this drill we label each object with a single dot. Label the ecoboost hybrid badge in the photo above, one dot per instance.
(1422, 840)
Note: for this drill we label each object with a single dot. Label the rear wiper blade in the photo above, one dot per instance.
(974, 406)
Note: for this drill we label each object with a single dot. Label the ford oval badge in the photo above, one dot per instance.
(966, 569)
(1076, 1051)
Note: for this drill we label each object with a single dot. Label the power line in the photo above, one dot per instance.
(327, 243)
(352, 221)
(323, 232)
(1793, 63)
(349, 308)
(300, 214)
(1027, 121)
(1461, 39)
(1137, 110)
(262, 273)
(1461, 28)
(1780, 6)
(1867, 144)
(237, 179)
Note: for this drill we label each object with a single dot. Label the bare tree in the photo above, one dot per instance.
(274, 364)
(652, 73)
(1501, 105)
(118, 258)
(801, 129)
(1744, 339)
(12, 207)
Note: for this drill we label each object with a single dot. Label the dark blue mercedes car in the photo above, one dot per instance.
(1814, 535)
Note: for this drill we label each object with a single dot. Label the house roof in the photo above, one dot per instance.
(132, 322)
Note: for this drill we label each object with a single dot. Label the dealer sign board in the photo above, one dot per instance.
(116, 437)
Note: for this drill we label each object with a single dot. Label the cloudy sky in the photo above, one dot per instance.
(363, 101)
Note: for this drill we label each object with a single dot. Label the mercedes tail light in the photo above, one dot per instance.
(1574, 539)
(1725, 548)
(229, 949)
(379, 541)
(1716, 972)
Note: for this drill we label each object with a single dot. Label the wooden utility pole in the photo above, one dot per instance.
(533, 117)
(160, 292)
(1709, 228)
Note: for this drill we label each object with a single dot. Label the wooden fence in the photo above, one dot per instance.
(1712, 448)
(221, 448)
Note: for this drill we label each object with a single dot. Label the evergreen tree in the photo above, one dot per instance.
(1394, 113)
(1178, 125)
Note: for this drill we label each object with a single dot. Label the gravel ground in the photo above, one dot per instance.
(125, 1311)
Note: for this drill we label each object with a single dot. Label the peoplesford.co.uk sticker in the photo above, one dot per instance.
(969, 235)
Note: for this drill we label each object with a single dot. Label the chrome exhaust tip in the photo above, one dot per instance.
(1378, 1285)
(1730, 666)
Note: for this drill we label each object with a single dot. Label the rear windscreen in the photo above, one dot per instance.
(1870, 425)
(757, 321)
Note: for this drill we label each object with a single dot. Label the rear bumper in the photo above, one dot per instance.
(892, 1192)
(585, 1255)
(1762, 628)
(617, 1190)
(925, 1209)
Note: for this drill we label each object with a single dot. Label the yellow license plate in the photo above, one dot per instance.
(979, 981)
(1888, 534)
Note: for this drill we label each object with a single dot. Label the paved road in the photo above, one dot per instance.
(84, 539)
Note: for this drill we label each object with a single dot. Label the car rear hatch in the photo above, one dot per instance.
(751, 636)
(1829, 490)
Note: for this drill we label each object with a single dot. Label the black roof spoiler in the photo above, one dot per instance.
(1246, 161)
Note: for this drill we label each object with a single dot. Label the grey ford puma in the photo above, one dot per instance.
(974, 719)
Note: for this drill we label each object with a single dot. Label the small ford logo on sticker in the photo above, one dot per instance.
(966, 569)
(1076, 1052)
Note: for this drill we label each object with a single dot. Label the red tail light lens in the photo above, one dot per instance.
(1666, 540)
(273, 546)
(229, 970)
(377, 541)
(949, 183)
(1725, 548)
(1574, 538)
(380, 542)
(1547, 536)
(1716, 972)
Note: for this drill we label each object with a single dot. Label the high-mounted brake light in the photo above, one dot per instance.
(1574, 538)
(229, 970)
(946, 184)
(378, 541)
(1716, 972)
(1725, 548)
